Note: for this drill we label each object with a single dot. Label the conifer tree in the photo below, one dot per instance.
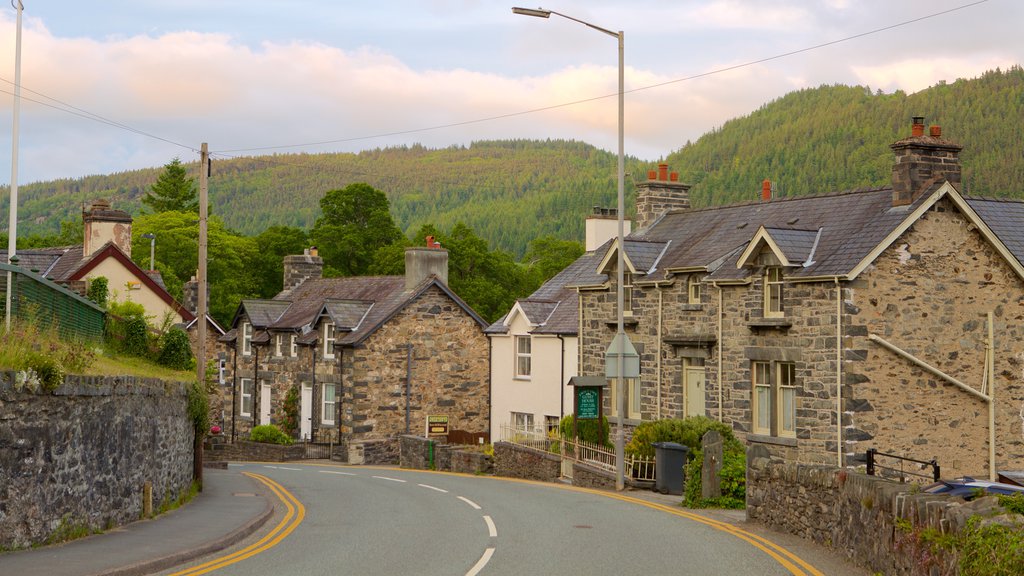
(174, 190)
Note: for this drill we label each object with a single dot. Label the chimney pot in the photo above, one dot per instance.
(314, 251)
(674, 177)
(652, 174)
(766, 190)
(917, 128)
(935, 131)
(662, 171)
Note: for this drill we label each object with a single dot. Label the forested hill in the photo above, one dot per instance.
(837, 138)
(512, 191)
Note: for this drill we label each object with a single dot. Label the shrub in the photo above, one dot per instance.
(98, 291)
(199, 408)
(687, 432)
(587, 430)
(733, 478)
(290, 420)
(127, 328)
(269, 434)
(175, 350)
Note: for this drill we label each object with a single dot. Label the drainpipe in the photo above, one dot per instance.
(408, 382)
(657, 384)
(839, 373)
(990, 367)
(340, 395)
(561, 380)
(257, 389)
(720, 315)
(314, 412)
(234, 390)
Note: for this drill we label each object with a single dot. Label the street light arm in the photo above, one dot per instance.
(542, 13)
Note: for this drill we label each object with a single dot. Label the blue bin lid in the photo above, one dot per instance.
(670, 446)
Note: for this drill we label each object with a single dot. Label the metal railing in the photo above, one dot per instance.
(901, 472)
(593, 454)
(317, 450)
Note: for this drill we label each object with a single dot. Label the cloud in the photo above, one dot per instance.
(915, 74)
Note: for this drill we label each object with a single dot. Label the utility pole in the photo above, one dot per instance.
(12, 230)
(204, 175)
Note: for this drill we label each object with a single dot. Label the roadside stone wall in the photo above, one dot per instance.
(374, 452)
(415, 453)
(590, 477)
(856, 515)
(246, 451)
(470, 462)
(512, 461)
(81, 455)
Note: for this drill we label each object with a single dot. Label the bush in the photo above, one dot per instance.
(290, 416)
(687, 432)
(176, 350)
(127, 329)
(269, 434)
(97, 291)
(587, 430)
(733, 477)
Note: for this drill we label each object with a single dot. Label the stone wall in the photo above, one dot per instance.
(374, 452)
(416, 453)
(513, 461)
(80, 456)
(854, 514)
(246, 451)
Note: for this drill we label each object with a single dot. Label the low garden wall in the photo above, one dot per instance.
(247, 451)
(79, 458)
(421, 453)
(514, 461)
(882, 525)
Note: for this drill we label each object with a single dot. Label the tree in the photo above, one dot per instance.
(547, 256)
(174, 190)
(355, 222)
(273, 245)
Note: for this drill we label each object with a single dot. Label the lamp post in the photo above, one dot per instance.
(12, 230)
(621, 341)
(152, 247)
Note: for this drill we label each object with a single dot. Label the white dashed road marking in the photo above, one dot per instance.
(470, 502)
(339, 473)
(296, 469)
(481, 562)
(491, 530)
(389, 479)
(433, 488)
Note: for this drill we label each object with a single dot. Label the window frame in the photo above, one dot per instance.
(693, 289)
(330, 400)
(627, 294)
(552, 423)
(293, 347)
(243, 396)
(773, 283)
(246, 338)
(773, 398)
(785, 383)
(761, 397)
(527, 417)
(329, 337)
(521, 356)
(634, 400)
(278, 342)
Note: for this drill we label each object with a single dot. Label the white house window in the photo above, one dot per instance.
(328, 339)
(327, 403)
(523, 351)
(522, 421)
(551, 424)
(277, 344)
(245, 399)
(774, 386)
(633, 398)
(246, 339)
(293, 349)
(773, 292)
(693, 285)
(627, 294)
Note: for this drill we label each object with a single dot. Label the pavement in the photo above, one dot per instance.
(232, 506)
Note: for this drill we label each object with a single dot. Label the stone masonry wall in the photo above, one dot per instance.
(512, 461)
(856, 515)
(80, 456)
(416, 454)
(246, 451)
(929, 294)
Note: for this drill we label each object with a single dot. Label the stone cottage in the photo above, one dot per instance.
(365, 359)
(821, 326)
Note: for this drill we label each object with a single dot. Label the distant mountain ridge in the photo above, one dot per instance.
(512, 191)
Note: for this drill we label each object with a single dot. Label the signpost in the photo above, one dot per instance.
(588, 403)
(437, 425)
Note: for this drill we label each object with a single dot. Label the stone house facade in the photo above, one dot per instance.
(363, 359)
(825, 325)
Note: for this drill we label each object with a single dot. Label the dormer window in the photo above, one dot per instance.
(277, 344)
(523, 357)
(773, 292)
(627, 294)
(293, 349)
(693, 289)
(246, 339)
(328, 338)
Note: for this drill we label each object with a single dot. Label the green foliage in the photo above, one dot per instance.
(733, 480)
(290, 420)
(98, 291)
(1012, 503)
(40, 357)
(127, 330)
(174, 190)
(687, 431)
(176, 350)
(355, 222)
(199, 408)
(272, 245)
(70, 529)
(269, 434)
(548, 256)
(587, 430)
(990, 550)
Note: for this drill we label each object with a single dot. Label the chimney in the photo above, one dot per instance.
(190, 295)
(301, 267)
(602, 225)
(661, 192)
(422, 262)
(102, 224)
(766, 190)
(922, 161)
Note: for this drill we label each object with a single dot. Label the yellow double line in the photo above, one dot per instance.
(296, 512)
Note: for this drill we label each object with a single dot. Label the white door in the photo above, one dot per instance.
(306, 412)
(695, 391)
(265, 403)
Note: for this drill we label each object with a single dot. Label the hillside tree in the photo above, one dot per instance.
(354, 224)
(174, 190)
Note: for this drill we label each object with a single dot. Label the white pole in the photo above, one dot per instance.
(12, 228)
(620, 437)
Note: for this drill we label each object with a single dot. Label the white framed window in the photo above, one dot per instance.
(278, 342)
(328, 338)
(774, 406)
(522, 421)
(245, 398)
(773, 292)
(633, 398)
(327, 404)
(246, 339)
(551, 424)
(693, 289)
(523, 357)
(627, 294)
(293, 348)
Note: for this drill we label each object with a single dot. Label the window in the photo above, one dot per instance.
(693, 285)
(245, 400)
(293, 349)
(522, 421)
(327, 403)
(551, 424)
(246, 339)
(633, 398)
(627, 294)
(773, 292)
(523, 347)
(774, 386)
(277, 344)
(328, 339)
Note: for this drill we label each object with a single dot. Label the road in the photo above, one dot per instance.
(362, 520)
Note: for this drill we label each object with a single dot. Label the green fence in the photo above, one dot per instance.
(39, 300)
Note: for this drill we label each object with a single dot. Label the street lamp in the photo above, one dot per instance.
(619, 354)
(12, 230)
(152, 247)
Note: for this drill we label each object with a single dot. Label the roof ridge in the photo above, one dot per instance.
(848, 192)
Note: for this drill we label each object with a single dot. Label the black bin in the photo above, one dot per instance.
(669, 461)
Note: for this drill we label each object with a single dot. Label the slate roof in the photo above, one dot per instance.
(43, 260)
(796, 245)
(263, 313)
(1005, 218)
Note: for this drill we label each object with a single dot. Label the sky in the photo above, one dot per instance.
(284, 76)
